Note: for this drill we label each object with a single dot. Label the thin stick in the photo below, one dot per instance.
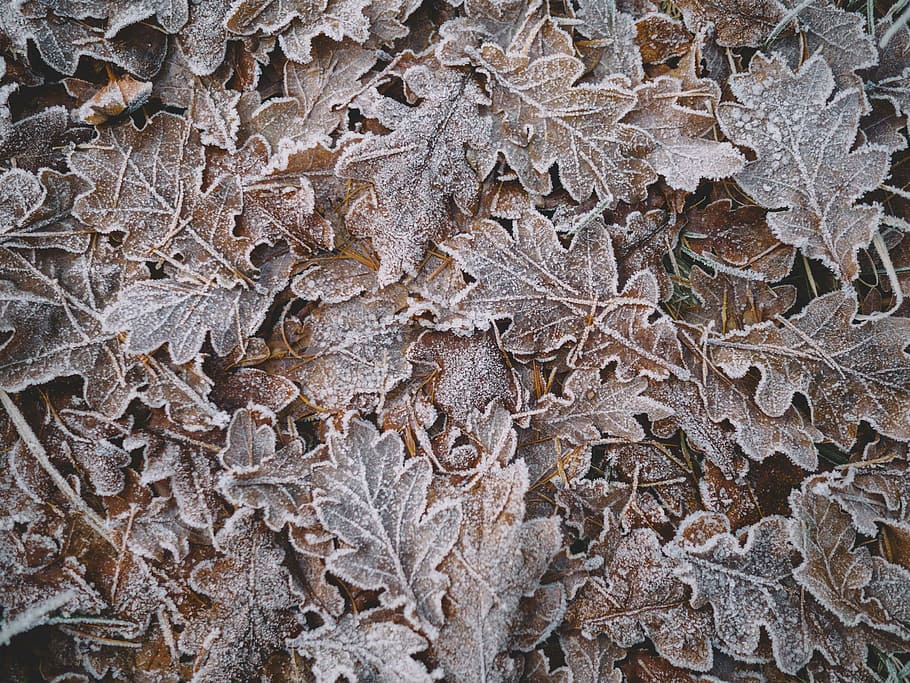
(37, 450)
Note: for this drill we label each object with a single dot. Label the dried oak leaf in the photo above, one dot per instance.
(890, 80)
(209, 105)
(591, 406)
(122, 95)
(40, 140)
(498, 559)
(839, 35)
(424, 157)
(36, 211)
(555, 296)
(171, 15)
(182, 313)
(188, 463)
(681, 153)
(375, 501)
(51, 303)
(737, 23)
(847, 372)
(748, 586)
(733, 303)
(737, 241)
(639, 597)
(253, 603)
(613, 36)
(548, 119)
(147, 183)
(349, 354)
(279, 200)
(61, 41)
(804, 163)
(832, 570)
(261, 476)
(877, 491)
(469, 372)
(298, 23)
(364, 646)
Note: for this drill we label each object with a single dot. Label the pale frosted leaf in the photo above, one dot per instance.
(639, 597)
(364, 646)
(683, 153)
(203, 40)
(749, 586)
(423, 156)
(556, 296)
(52, 305)
(848, 372)
(183, 313)
(259, 475)
(351, 353)
(554, 121)
(376, 502)
(804, 163)
(170, 14)
(591, 407)
(498, 558)
(252, 608)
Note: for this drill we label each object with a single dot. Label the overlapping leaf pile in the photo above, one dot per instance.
(480, 341)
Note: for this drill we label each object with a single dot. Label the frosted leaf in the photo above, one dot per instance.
(331, 79)
(37, 214)
(748, 586)
(890, 80)
(876, 492)
(591, 660)
(537, 670)
(183, 392)
(554, 121)
(804, 163)
(614, 34)
(278, 196)
(298, 23)
(210, 106)
(832, 570)
(153, 312)
(187, 461)
(203, 40)
(737, 23)
(351, 353)
(591, 407)
(241, 386)
(469, 372)
(423, 157)
(259, 475)
(52, 307)
(838, 35)
(556, 296)
(170, 14)
(337, 279)
(364, 646)
(485, 21)
(40, 140)
(498, 558)
(639, 597)
(376, 502)
(739, 239)
(847, 372)
(61, 41)
(147, 184)
(153, 521)
(682, 153)
(253, 607)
